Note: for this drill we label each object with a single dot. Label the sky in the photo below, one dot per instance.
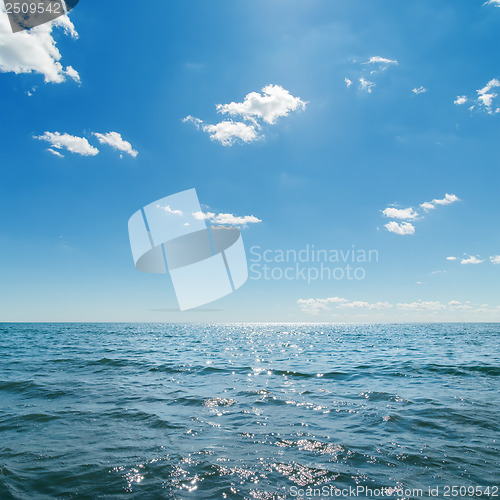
(361, 130)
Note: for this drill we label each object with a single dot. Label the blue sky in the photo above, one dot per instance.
(321, 174)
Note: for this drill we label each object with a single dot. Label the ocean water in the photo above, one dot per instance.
(248, 411)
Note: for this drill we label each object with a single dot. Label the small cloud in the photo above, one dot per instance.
(471, 259)
(72, 143)
(403, 228)
(55, 153)
(366, 85)
(496, 3)
(462, 99)
(495, 259)
(400, 213)
(381, 60)
(419, 90)
(485, 98)
(167, 209)
(114, 139)
(451, 258)
(226, 219)
(447, 200)
(348, 82)
(437, 272)
(226, 132)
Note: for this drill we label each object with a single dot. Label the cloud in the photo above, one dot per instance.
(447, 200)
(496, 3)
(114, 139)
(421, 306)
(365, 305)
(35, 51)
(400, 213)
(167, 209)
(381, 60)
(348, 82)
(226, 132)
(315, 307)
(486, 98)
(451, 258)
(472, 259)
(55, 153)
(366, 85)
(403, 229)
(412, 214)
(495, 259)
(72, 143)
(226, 219)
(273, 103)
(419, 90)
(256, 109)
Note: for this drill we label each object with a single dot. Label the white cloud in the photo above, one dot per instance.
(365, 305)
(419, 90)
(495, 259)
(273, 103)
(403, 229)
(451, 258)
(381, 60)
(55, 153)
(366, 85)
(72, 143)
(315, 307)
(485, 98)
(35, 51)
(427, 205)
(348, 82)
(471, 259)
(400, 213)
(114, 139)
(496, 3)
(226, 132)
(421, 306)
(169, 210)
(226, 219)
(447, 200)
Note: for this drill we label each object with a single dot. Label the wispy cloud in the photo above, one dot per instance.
(72, 143)
(451, 258)
(255, 110)
(114, 139)
(55, 153)
(169, 210)
(419, 90)
(315, 307)
(381, 60)
(496, 3)
(226, 219)
(35, 51)
(495, 259)
(366, 85)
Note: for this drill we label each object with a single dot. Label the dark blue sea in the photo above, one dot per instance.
(248, 411)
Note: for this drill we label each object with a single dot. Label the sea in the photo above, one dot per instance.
(249, 411)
